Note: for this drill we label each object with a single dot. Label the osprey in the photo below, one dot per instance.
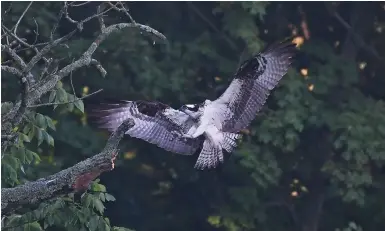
(212, 126)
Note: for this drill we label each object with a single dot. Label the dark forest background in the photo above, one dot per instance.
(313, 159)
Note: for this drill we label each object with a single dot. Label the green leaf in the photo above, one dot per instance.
(12, 161)
(102, 197)
(24, 137)
(35, 226)
(13, 221)
(70, 106)
(86, 200)
(98, 187)
(79, 105)
(110, 197)
(48, 138)
(28, 156)
(36, 156)
(98, 205)
(11, 172)
(62, 95)
(18, 153)
(50, 123)
(32, 132)
(27, 128)
(40, 121)
(6, 107)
(40, 137)
(115, 228)
(52, 96)
(93, 223)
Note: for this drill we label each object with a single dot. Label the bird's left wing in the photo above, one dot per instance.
(155, 123)
(251, 86)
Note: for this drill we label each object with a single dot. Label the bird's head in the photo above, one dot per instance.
(190, 107)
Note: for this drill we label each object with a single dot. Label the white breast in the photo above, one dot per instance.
(215, 114)
(214, 135)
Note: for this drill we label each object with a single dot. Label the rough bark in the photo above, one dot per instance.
(75, 178)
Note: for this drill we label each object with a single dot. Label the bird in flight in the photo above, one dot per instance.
(209, 127)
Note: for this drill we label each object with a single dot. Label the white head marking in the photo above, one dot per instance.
(190, 105)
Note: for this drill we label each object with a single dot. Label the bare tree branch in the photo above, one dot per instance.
(19, 61)
(21, 41)
(122, 9)
(17, 112)
(21, 17)
(75, 178)
(46, 49)
(50, 82)
(79, 25)
(12, 70)
(78, 177)
(98, 66)
(80, 4)
(72, 101)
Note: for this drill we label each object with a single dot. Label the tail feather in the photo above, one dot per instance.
(230, 141)
(210, 156)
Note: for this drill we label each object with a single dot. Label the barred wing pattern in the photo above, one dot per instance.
(154, 123)
(252, 84)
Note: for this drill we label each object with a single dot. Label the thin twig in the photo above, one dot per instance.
(36, 32)
(33, 47)
(79, 25)
(123, 9)
(100, 19)
(72, 4)
(4, 34)
(95, 16)
(46, 49)
(99, 66)
(21, 17)
(8, 9)
(72, 85)
(65, 8)
(55, 26)
(72, 101)
(126, 12)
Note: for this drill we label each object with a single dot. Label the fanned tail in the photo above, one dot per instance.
(210, 156)
(229, 142)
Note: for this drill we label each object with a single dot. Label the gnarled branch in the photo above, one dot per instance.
(73, 179)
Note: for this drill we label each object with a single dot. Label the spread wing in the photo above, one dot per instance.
(251, 86)
(154, 123)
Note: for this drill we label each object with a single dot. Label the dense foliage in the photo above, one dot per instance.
(312, 160)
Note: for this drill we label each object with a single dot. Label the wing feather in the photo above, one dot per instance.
(154, 123)
(252, 84)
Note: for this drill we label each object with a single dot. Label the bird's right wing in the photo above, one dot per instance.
(250, 88)
(154, 122)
